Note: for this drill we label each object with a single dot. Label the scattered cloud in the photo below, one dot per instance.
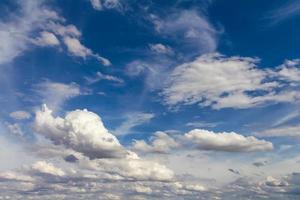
(202, 124)
(100, 76)
(161, 49)
(188, 28)
(20, 115)
(226, 141)
(288, 10)
(18, 34)
(160, 142)
(235, 82)
(133, 120)
(106, 4)
(55, 94)
(282, 131)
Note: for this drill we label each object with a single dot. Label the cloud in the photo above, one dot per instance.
(100, 76)
(133, 120)
(47, 39)
(283, 131)
(16, 33)
(201, 124)
(161, 49)
(160, 142)
(80, 130)
(106, 4)
(19, 33)
(260, 163)
(285, 12)
(228, 82)
(189, 29)
(20, 115)
(55, 94)
(75, 47)
(226, 141)
(47, 168)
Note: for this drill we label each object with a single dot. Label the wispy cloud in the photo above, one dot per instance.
(285, 12)
(132, 120)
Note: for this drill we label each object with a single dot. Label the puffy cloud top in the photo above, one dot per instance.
(80, 130)
(231, 142)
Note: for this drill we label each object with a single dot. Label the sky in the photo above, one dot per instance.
(148, 99)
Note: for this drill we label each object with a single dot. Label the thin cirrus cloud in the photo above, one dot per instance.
(100, 76)
(55, 94)
(281, 131)
(288, 10)
(189, 29)
(226, 82)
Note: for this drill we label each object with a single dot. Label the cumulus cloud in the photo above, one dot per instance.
(20, 115)
(75, 47)
(160, 142)
(80, 130)
(220, 82)
(226, 141)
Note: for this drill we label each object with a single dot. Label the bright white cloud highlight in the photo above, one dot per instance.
(222, 82)
(226, 141)
(80, 130)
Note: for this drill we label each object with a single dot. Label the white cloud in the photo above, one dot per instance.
(202, 124)
(15, 129)
(189, 29)
(106, 4)
(47, 39)
(226, 141)
(161, 49)
(80, 130)
(77, 49)
(20, 114)
(288, 10)
(18, 34)
(47, 168)
(15, 34)
(220, 82)
(100, 76)
(283, 131)
(133, 120)
(160, 142)
(55, 94)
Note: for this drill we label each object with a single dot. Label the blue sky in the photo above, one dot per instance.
(207, 91)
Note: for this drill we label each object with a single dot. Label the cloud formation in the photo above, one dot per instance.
(20, 115)
(160, 142)
(226, 141)
(80, 130)
(229, 82)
